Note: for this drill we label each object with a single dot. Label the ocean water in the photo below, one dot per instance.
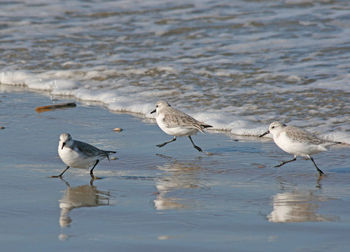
(160, 199)
(237, 65)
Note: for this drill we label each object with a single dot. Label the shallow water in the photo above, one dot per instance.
(237, 65)
(173, 198)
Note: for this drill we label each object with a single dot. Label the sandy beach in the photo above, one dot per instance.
(151, 199)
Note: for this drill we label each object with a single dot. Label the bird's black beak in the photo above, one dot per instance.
(63, 144)
(153, 111)
(267, 132)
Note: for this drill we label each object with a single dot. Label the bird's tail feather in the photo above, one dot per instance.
(109, 152)
(203, 126)
(330, 143)
(206, 125)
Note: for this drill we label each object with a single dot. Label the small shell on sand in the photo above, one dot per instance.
(113, 158)
(118, 129)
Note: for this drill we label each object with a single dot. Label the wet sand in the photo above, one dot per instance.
(151, 199)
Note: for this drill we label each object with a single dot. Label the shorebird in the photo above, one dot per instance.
(298, 142)
(176, 123)
(78, 154)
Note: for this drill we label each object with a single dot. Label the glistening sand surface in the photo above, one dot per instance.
(180, 200)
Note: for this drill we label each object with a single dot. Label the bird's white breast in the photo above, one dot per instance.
(74, 159)
(174, 131)
(294, 147)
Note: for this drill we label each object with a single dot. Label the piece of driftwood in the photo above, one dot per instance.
(55, 106)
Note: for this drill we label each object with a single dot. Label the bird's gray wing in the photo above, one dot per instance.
(88, 150)
(301, 135)
(177, 118)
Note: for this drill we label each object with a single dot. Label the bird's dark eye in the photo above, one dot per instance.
(272, 127)
(156, 106)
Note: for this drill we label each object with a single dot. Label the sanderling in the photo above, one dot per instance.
(297, 141)
(176, 123)
(78, 154)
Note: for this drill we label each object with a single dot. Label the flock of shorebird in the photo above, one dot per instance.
(290, 139)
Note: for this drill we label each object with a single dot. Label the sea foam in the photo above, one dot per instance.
(119, 96)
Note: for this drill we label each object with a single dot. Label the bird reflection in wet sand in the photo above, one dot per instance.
(298, 206)
(178, 176)
(80, 196)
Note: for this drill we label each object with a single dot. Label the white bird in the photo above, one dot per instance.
(78, 154)
(297, 141)
(176, 123)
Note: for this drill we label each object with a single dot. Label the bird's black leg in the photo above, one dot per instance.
(60, 176)
(172, 140)
(92, 169)
(288, 161)
(318, 169)
(195, 146)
